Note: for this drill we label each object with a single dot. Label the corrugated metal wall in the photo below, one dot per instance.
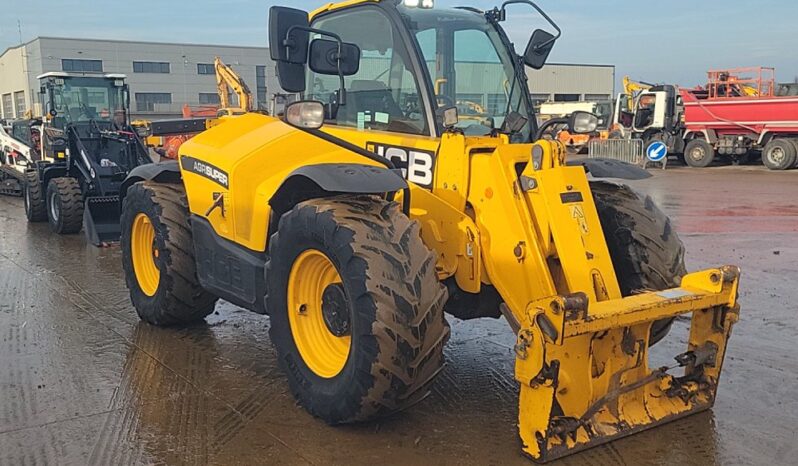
(573, 79)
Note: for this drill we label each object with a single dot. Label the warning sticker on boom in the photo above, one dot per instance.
(578, 213)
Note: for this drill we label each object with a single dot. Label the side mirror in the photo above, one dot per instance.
(325, 57)
(538, 49)
(307, 114)
(582, 123)
(288, 45)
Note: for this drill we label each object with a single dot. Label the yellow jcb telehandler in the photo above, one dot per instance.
(369, 210)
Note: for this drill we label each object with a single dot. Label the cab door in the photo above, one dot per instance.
(650, 111)
(385, 111)
(623, 114)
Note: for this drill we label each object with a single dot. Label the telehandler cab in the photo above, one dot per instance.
(370, 209)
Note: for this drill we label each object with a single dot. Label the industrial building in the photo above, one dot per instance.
(164, 77)
(564, 82)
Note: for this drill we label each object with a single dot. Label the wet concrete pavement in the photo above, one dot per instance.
(82, 381)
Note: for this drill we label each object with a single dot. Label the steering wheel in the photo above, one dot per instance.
(85, 110)
(94, 125)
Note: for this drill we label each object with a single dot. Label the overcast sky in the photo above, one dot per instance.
(672, 42)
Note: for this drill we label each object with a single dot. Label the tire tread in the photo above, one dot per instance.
(646, 252)
(36, 210)
(71, 199)
(180, 299)
(409, 329)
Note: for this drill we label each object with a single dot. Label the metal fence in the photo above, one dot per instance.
(625, 150)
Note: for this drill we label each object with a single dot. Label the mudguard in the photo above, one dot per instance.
(324, 179)
(50, 171)
(609, 168)
(165, 172)
(351, 178)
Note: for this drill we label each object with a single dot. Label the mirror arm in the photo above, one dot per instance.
(503, 16)
(288, 43)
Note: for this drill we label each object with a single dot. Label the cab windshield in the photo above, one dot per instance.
(88, 98)
(470, 68)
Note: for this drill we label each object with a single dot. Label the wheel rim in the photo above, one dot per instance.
(776, 155)
(55, 211)
(27, 199)
(697, 154)
(311, 284)
(145, 252)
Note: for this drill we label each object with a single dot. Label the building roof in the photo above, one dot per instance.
(121, 41)
(594, 65)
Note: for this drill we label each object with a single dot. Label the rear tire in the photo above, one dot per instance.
(35, 204)
(646, 253)
(779, 154)
(65, 206)
(698, 153)
(390, 298)
(158, 256)
(794, 142)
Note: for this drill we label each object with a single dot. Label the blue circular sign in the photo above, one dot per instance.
(657, 151)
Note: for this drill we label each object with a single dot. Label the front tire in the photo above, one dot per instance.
(65, 206)
(698, 153)
(356, 308)
(646, 253)
(158, 256)
(35, 204)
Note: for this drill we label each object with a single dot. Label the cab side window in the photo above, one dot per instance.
(384, 94)
(22, 133)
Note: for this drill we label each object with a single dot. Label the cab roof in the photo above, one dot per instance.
(62, 74)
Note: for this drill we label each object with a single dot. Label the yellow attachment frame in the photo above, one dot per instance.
(582, 348)
(584, 369)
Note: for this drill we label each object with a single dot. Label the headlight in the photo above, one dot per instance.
(305, 114)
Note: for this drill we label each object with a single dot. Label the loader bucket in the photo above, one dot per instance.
(101, 220)
(583, 366)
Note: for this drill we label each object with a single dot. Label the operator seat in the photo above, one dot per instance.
(367, 96)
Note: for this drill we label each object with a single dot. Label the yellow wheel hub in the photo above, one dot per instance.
(324, 352)
(144, 253)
